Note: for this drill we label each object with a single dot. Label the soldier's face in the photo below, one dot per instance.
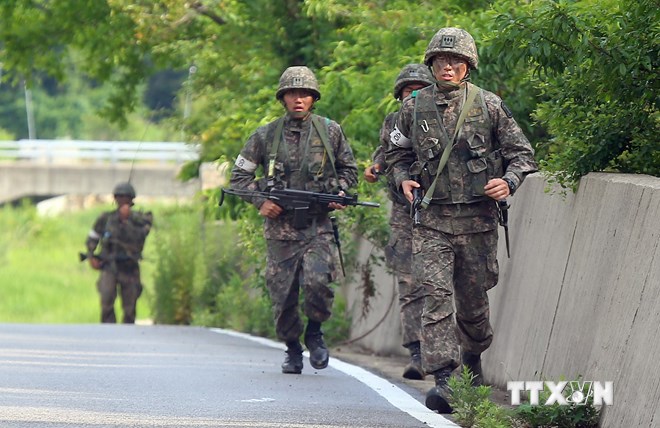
(298, 101)
(123, 200)
(449, 68)
(408, 89)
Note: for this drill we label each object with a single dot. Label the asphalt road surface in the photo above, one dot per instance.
(95, 376)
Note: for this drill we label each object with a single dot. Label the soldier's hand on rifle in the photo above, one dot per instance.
(95, 262)
(497, 189)
(372, 172)
(335, 205)
(407, 187)
(270, 209)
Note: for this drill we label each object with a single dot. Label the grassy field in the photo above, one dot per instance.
(41, 278)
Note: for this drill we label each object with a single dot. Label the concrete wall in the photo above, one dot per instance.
(21, 179)
(580, 295)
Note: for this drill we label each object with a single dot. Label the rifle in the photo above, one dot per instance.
(415, 205)
(503, 220)
(300, 201)
(335, 231)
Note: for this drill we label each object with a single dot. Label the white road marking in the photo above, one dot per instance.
(392, 393)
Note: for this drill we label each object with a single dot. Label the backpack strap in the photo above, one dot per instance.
(322, 129)
(270, 174)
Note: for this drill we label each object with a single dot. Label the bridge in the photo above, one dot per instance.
(42, 168)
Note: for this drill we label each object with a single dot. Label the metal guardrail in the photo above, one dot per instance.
(112, 151)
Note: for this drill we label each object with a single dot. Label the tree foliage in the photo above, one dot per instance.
(579, 75)
(597, 65)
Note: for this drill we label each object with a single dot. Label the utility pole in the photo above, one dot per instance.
(32, 134)
(187, 106)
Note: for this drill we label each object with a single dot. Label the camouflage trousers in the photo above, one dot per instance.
(456, 272)
(130, 288)
(398, 255)
(295, 266)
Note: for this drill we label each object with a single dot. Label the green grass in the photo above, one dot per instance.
(41, 278)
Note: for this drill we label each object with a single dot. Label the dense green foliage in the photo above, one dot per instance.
(597, 65)
(585, 70)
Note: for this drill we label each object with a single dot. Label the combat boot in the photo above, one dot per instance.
(318, 352)
(438, 397)
(473, 362)
(293, 362)
(414, 369)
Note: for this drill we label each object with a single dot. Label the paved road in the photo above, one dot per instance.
(169, 376)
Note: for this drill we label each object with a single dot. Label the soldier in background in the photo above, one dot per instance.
(455, 242)
(122, 234)
(398, 253)
(300, 151)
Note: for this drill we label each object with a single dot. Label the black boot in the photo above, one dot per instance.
(438, 397)
(473, 362)
(318, 352)
(414, 369)
(293, 362)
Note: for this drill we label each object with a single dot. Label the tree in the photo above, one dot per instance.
(597, 65)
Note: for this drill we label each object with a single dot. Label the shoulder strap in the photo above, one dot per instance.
(471, 95)
(322, 129)
(270, 174)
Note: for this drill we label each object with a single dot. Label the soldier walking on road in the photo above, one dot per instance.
(468, 152)
(301, 151)
(122, 234)
(398, 252)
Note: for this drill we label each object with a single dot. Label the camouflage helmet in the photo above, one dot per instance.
(124, 189)
(411, 74)
(453, 41)
(298, 77)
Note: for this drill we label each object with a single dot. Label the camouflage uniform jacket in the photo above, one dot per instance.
(302, 164)
(121, 242)
(489, 145)
(378, 157)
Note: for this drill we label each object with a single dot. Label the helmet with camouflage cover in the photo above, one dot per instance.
(124, 189)
(454, 41)
(298, 77)
(411, 74)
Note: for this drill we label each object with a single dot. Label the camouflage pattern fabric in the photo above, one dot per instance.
(130, 288)
(288, 170)
(411, 74)
(293, 266)
(454, 41)
(121, 251)
(454, 270)
(297, 258)
(398, 253)
(455, 246)
(298, 77)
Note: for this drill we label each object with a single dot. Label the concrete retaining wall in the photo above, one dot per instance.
(580, 295)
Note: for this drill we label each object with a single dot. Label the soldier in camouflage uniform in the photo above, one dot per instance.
(398, 252)
(301, 151)
(121, 233)
(455, 244)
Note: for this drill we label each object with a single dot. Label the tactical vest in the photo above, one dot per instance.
(474, 159)
(123, 242)
(316, 169)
